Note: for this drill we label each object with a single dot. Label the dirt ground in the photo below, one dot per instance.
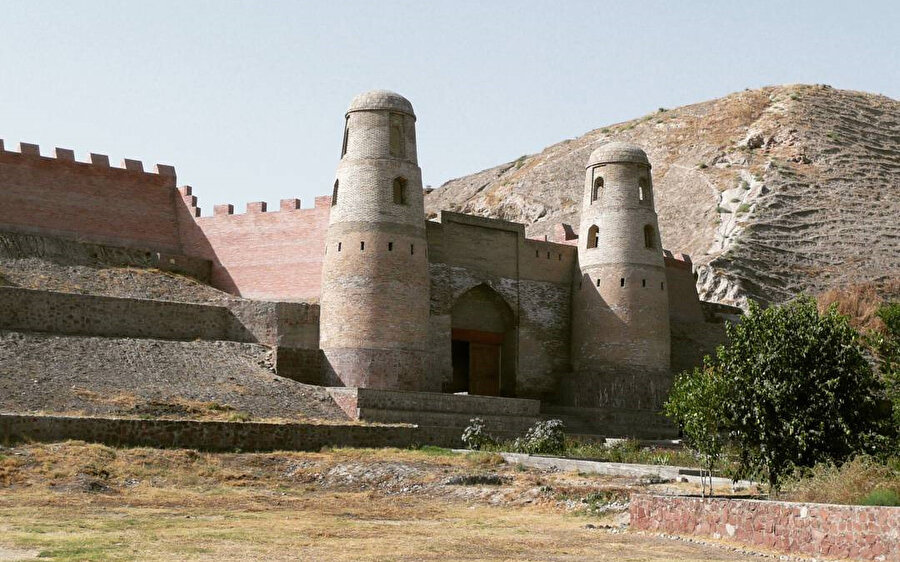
(74, 501)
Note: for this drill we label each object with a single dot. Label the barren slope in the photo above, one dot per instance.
(772, 191)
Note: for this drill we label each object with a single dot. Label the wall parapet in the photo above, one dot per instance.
(838, 531)
(97, 161)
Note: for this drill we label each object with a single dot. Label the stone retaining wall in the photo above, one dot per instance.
(293, 325)
(836, 531)
(216, 436)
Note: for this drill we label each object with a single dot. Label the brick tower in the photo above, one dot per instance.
(620, 307)
(375, 285)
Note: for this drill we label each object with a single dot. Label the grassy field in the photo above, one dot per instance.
(74, 501)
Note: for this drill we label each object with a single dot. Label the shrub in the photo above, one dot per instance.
(475, 437)
(544, 437)
(882, 497)
(886, 345)
(702, 166)
(744, 208)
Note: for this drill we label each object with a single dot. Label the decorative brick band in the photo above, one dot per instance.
(838, 531)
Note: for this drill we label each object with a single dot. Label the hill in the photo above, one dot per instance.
(773, 192)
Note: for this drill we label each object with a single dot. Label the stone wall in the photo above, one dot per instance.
(277, 324)
(260, 254)
(835, 531)
(92, 202)
(216, 436)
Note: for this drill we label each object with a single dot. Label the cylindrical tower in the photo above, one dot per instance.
(620, 308)
(375, 287)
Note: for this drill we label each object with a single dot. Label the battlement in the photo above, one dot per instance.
(680, 261)
(96, 161)
(252, 208)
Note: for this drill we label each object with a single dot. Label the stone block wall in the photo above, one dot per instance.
(293, 325)
(834, 531)
(216, 436)
(92, 202)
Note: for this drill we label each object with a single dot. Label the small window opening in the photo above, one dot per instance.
(662, 286)
(649, 237)
(643, 282)
(598, 282)
(560, 257)
(397, 142)
(400, 191)
(644, 190)
(339, 246)
(412, 249)
(334, 193)
(390, 246)
(537, 253)
(622, 282)
(362, 246)
(346, 136)
(593, 236)
(597, 188)
(548, 255)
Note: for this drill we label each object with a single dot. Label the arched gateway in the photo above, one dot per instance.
(483, 344)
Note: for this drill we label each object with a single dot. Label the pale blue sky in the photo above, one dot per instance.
(246, 99)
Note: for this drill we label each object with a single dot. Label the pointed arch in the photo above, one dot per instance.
(399, 188)
(334, 194)
(649, 237)
(593, 236)
(644, 191)
(596, 189)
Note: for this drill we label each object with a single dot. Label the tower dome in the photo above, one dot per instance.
(381, 100)
(618, 152)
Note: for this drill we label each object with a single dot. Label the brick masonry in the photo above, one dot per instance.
(92, 202)
(833, 531)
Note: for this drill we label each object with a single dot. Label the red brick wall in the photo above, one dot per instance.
(89, 202)
(837, 531)
(261, 254)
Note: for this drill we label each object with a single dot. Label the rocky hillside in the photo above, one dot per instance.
(772, 191)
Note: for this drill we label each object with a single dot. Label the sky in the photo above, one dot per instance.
(247, 99)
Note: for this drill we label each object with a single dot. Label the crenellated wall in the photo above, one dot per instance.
(260, 254)
(88, 201)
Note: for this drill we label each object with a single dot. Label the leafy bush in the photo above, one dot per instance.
(886, 345)
(882, 497)
(475, 437)
(796, 390)
(544, 437)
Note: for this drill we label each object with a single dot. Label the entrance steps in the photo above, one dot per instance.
(505, 418)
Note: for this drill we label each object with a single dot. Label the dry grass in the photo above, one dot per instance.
(148, 504)
(847, 484)
(861, 302)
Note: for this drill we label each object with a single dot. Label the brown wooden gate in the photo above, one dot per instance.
(484, 360)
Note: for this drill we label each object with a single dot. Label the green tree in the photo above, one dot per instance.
(796, 390)
(695, 404)
(886, 345)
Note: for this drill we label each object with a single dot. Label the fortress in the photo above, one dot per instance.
(417, 314)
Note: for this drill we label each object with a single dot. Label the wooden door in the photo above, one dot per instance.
(484, 369)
